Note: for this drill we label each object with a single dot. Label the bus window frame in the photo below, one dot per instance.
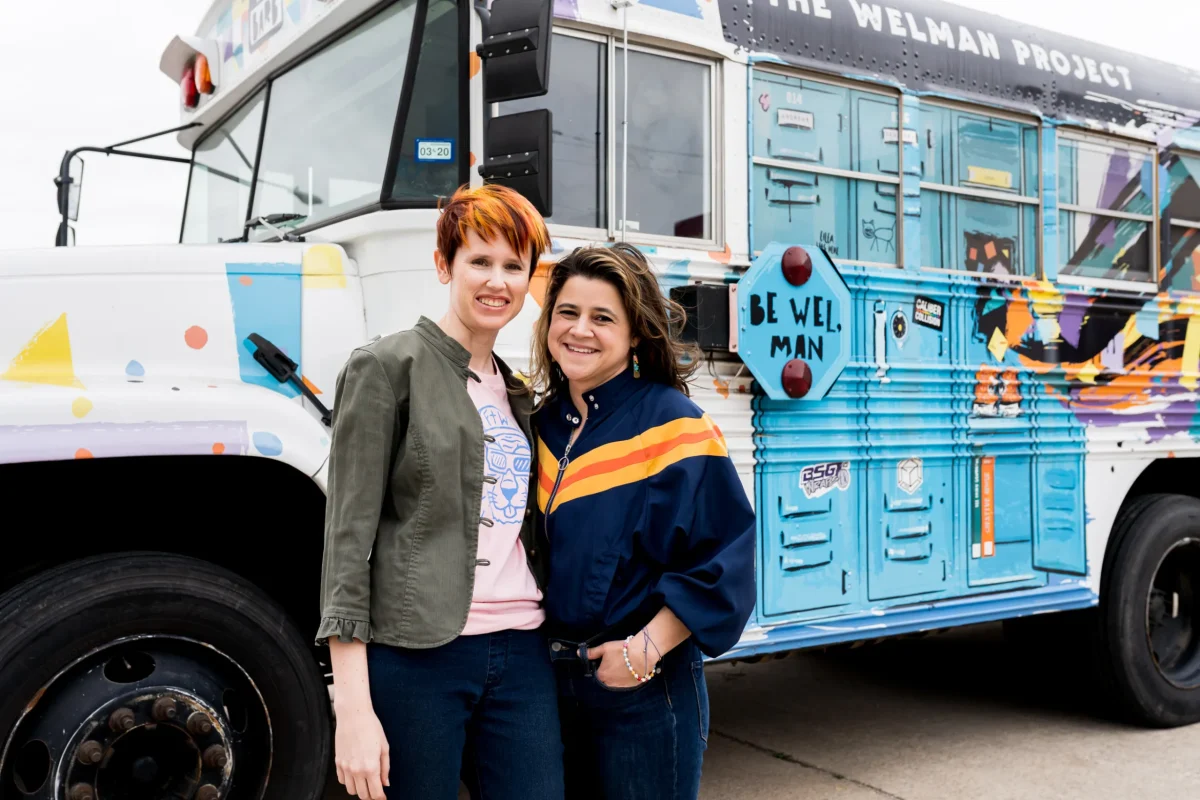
(833, 172)
(1153, 219)
(716, 146)
(1037, 201)
(611, 232)
(387, 200)
(1169, 224)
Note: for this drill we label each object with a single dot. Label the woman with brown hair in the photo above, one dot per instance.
(650, 532)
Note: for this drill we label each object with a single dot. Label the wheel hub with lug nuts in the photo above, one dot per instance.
(142, 720)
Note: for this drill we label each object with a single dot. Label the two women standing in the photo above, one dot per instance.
(527, 610)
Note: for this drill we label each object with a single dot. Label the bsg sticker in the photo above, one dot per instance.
(820, 479)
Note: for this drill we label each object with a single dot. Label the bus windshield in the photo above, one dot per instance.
(315, 142)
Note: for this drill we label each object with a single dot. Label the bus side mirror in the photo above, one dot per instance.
(516, 61)
(518, 155)
(516, 50)
(69, 192)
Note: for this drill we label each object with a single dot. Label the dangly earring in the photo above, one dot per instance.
(636, 370)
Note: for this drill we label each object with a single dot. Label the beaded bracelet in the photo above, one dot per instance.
(636, 677)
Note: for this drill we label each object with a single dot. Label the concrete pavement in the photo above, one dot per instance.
(950, 717)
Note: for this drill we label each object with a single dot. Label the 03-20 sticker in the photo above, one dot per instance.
(820, 479)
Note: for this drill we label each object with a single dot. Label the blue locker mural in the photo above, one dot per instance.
(942, 463)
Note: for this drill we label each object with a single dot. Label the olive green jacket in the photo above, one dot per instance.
(406, 475)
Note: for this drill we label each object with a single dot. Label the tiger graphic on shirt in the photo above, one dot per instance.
(508, 459)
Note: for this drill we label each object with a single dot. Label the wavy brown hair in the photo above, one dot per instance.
(655, 320)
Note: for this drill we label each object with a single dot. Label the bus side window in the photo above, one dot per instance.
(979, 192)
(1181, 221)
(825, 167)
(577, 99)
(1106, 209)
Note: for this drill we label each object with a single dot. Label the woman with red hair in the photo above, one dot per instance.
(432, 578)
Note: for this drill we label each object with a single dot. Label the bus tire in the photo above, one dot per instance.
(154, 674)
(1149, 626)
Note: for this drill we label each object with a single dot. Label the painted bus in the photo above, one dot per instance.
(942, 269)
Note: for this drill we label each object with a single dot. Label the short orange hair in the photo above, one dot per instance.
(491, 210)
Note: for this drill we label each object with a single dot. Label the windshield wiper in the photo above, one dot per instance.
(269, 221)
(273, 219)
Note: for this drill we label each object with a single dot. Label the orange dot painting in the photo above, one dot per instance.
(472, 162)
(245, 280)
(218, 449)
(196, 337)
(476, 64)
(83, 452)
(722, 257)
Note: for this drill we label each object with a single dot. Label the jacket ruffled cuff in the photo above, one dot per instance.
(346, 630)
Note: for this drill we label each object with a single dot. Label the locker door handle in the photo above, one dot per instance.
(881, 365)
(845, 581)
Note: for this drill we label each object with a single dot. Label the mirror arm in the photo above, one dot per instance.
(63, 180)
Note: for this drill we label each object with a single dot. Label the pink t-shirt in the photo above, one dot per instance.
(506, 596)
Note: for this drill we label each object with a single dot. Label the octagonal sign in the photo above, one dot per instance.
(794, 322)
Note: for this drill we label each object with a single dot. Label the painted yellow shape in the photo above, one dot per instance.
(1088, 372)
(81, 407)
(990, 177)
(322, 267)
(998, 346)
(1045, 299)
(1191, 354)
(1131, 332)
(46, 359)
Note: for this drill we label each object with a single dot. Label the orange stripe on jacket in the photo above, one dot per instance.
(589, 476)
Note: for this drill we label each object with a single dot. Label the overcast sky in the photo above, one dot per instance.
(84, 72)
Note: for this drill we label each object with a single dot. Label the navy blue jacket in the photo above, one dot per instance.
(647, 511)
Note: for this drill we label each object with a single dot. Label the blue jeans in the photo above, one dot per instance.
(642, 743)
(481, 708)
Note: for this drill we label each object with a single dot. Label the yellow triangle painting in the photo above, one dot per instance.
(46, 359)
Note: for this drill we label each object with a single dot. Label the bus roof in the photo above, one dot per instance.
(946, 49)
(927, 46)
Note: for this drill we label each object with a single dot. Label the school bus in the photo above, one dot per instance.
(942, 269)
